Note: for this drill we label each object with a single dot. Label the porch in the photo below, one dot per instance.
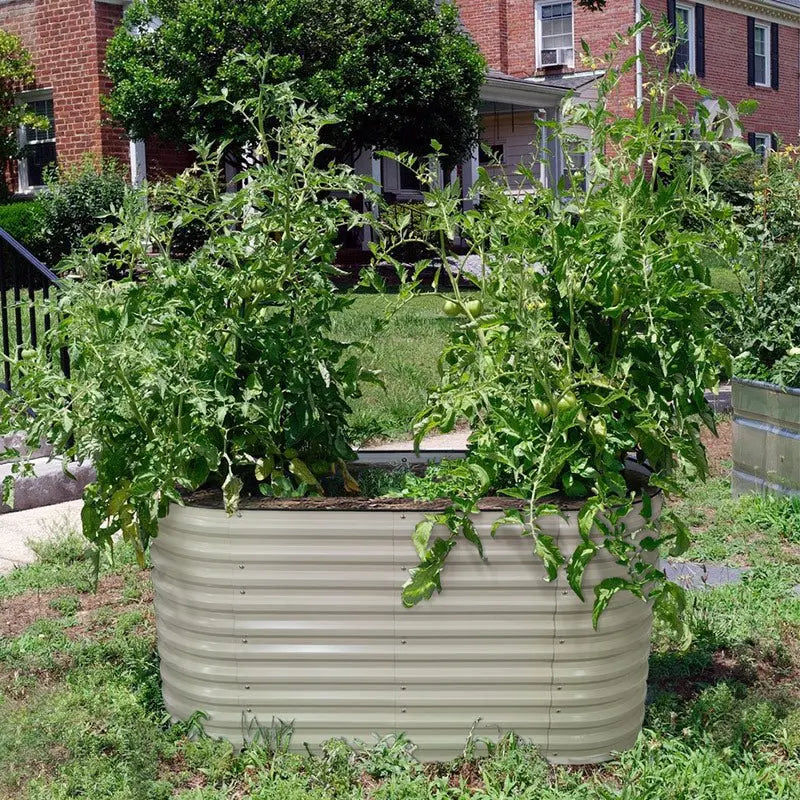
(510, 113)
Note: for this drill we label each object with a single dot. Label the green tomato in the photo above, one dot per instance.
(451, 309)
(567, 402)
(290, 453)
(475, 308)
(320, 467)
(260, 285)
(28, 354)
(541, 408)
(598, 428)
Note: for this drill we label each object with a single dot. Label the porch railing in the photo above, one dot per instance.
(25, 287)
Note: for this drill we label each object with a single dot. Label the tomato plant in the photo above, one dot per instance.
(593, 342)
(216, 369)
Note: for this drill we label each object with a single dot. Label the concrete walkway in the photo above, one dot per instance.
(18, 527)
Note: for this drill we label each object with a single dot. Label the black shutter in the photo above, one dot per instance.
(751, 140)
(700, 40)
(671, 19)
(775, 141)
(751, 51)
(773, 55)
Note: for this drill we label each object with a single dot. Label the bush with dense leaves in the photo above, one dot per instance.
(218, 370)
(765, 324)
(396, 73)
(75, 203)
(589, 338)
(22, 221)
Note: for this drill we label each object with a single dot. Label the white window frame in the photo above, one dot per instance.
(691, 34)
(539, 6)
(763, 145)
(764, 26)
(23, 99)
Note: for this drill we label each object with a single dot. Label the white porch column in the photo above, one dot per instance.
(556, 164)
(138, 156)
(469, 175)
(366, 163)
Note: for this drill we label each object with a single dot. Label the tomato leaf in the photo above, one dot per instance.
(545, 547)
(577, 564)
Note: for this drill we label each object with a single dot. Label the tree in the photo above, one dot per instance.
(396, 73)
(16, 73)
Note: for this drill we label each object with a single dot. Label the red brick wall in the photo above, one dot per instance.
(726, 72)
(114, 142)
(511, 49)
(165, 159)
(505, 31)
(482, 19)
(67, 39)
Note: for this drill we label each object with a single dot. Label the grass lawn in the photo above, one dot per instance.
(407, 353)
(81, 713)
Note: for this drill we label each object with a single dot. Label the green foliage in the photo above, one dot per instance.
(219, 370)
(766, 323)
(396, 74)
(734, 176)
(591, 340)
(16, 74)
(75, 202)
(445, 479)
(21, 220)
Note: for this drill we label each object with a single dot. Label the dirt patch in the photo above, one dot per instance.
(720, 448)
(768, 671)
(20, 612)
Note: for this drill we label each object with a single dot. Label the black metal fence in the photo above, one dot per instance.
(25, 289)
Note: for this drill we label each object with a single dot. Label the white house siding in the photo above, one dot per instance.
(520, 137)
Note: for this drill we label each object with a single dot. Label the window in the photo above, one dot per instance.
(38, 145)
(554, 34)
(761, 54)
(491, 154)
(576, 164)
(684, 38)
(762, 144)
(409, 182)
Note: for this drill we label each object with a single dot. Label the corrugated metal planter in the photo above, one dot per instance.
(766, 438)
(296, 616)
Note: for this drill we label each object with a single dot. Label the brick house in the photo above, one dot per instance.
(740, 49)
(67, 40)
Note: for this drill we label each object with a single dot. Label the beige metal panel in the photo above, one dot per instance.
(766, 438)
(297, 616)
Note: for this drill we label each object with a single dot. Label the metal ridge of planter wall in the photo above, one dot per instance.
(295, 616)
(766, 438)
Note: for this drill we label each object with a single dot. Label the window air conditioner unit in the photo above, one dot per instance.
(556, 57)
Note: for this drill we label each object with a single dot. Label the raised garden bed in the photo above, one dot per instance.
(766, 438)
(295, 615)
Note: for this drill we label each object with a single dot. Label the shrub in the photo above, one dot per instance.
(395, 72)
(22, 220)
(590, 337)
(75, 203)
(766, 320)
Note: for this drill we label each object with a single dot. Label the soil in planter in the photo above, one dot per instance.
(337, 500)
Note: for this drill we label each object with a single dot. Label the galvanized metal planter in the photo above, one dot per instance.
(766, 438)
(296, 616)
